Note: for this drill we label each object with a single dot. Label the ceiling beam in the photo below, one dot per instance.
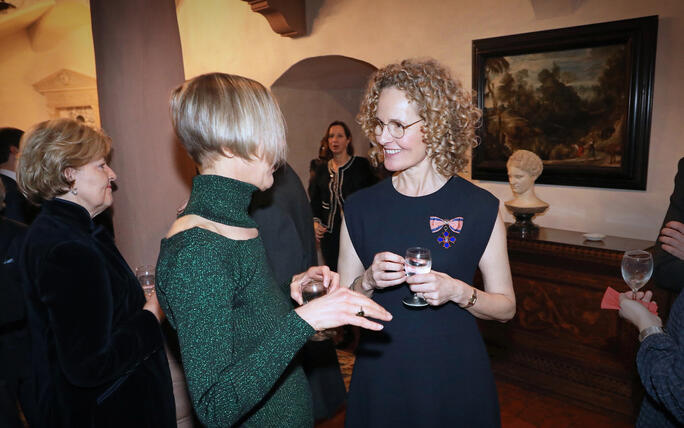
(286, 17)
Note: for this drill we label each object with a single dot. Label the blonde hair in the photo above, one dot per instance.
(447, 109)
(49, 148)
(527, 161)
(219, 111)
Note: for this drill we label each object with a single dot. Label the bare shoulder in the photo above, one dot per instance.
(184, 223)
(231, 232)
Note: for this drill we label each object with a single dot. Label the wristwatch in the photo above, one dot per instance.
(472, 300)
(654, 329)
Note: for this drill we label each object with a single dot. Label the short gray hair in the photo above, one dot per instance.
(219, 111)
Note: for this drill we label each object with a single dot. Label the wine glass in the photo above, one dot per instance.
(416, 260)
(145, 275)
(312, 290)
(637, 268)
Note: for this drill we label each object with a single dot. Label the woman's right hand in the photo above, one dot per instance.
(342, 307)
(319, 230)
(386, 270)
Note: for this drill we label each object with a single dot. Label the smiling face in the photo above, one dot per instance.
(93, 184)
(521, 181)
(338, 140)
(408, 151)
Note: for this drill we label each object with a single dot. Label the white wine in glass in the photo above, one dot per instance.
(637, 268)
(416, 261)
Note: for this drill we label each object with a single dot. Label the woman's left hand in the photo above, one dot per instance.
(329, 278)
(437, 288)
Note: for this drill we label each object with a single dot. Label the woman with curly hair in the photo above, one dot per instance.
(429, 366)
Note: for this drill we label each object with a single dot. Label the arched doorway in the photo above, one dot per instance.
(314, 92)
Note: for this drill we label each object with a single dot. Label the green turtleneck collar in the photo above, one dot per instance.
(221, 199)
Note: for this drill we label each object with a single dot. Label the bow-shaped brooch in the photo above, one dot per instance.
(444, 226)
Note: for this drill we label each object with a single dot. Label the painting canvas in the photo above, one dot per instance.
(576, 97)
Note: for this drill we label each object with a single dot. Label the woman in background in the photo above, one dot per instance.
(237, 328)
(332, 183)
(429, 367)
(97, 348)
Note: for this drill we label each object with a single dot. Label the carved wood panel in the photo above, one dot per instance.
(560, 341)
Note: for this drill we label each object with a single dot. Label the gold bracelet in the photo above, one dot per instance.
(472, 300)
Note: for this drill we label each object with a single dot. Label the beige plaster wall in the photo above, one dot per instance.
(227, 36)
(21, 66)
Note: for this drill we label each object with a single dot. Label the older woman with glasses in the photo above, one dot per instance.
(237, 328)
(429, 366)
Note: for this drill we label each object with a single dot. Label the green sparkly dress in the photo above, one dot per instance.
(237, 329)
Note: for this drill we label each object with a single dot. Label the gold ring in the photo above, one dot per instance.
(361, 313)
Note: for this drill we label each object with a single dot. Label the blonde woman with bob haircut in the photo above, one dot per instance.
(429, 366)
(237, 328)
(97, 348)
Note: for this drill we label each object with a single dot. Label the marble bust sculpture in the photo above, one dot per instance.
(523, 169)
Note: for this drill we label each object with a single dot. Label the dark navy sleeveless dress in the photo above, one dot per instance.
(428, 367)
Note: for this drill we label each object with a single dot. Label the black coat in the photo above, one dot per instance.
(14, 336)
(286, 228)
(669, 270)
(16, 206)
(98, 358)
(285, 225)
(326, 198)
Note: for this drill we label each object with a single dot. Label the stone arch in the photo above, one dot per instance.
(314, 92)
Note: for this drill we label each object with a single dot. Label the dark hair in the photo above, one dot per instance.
(347, 133)
(8, 137)
(324, 150)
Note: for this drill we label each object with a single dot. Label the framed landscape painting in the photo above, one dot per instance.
(579, 97)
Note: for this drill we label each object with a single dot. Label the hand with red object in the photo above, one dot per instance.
(636, 312)
(611, 300)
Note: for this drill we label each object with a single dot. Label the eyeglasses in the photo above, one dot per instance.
(396, 129)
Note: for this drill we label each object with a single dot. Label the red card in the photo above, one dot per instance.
(611, 300)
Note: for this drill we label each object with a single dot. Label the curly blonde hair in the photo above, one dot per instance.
(450, 118)
(47, 150)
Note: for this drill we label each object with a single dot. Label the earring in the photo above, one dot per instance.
(74, 191)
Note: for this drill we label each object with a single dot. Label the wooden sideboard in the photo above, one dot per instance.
(560, 342)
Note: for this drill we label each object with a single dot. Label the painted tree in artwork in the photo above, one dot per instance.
(493, 67)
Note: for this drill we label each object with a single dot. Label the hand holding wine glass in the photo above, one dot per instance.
(340, 307)
(637, 268)
(417, 261)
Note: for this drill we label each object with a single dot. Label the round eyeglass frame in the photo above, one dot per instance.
(396, 129)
